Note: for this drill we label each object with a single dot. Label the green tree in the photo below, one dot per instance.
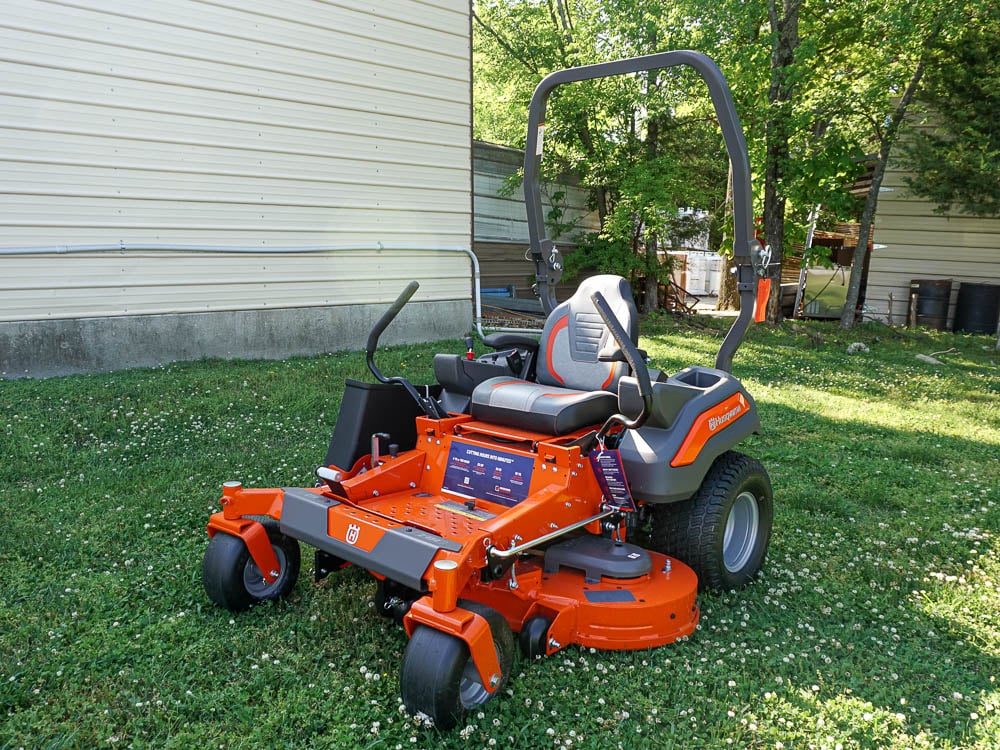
(785, 78)
(644, 145)
(954, 150)
(893, 70)
(818, 84)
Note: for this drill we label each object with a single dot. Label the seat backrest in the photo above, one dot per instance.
(574, 335)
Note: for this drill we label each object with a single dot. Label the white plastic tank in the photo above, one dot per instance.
(714, 273)
(697, 273)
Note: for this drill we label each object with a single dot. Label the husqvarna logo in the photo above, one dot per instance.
(715, 423)
(353, 532)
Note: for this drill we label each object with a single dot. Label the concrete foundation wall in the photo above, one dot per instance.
(65, 347)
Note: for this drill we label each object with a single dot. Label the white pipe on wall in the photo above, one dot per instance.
(261, 250)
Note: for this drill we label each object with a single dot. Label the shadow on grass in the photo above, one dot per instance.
(876, 578)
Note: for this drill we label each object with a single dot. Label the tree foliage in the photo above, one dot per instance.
(817, 85)
(954, 150)
(895, 73)
(645, 145)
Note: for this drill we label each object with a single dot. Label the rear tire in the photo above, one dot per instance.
(232, 579)
(438, 677)
(724, 530)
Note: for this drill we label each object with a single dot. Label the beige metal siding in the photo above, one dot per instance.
(499, 204)
(141, 283)
(920, 244)
(261, 123)
(500, 226)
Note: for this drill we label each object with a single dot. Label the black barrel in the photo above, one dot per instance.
(977, 308)
(933, 296)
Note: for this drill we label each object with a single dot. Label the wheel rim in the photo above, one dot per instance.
(253, 579)
(471, 690)
(742, 528)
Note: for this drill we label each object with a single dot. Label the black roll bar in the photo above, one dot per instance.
(746, 249)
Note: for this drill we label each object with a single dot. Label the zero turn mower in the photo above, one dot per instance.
(497, 506)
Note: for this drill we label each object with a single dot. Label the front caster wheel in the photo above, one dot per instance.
(724, 530)
(231, 577)
(439, 678)
(393, 600)
(534, 637)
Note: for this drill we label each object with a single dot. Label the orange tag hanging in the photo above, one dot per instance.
(763, 293)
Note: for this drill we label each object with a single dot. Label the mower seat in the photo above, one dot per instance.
(576, 381)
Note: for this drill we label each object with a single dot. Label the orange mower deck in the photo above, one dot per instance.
(403, 497)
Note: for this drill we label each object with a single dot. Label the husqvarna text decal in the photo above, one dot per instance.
(707, 425)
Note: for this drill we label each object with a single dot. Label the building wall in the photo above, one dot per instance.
(920, 244)
(256, 125)
(501, 227)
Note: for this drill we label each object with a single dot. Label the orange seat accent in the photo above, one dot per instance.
(563, 323)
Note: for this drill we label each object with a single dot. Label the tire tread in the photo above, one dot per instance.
(692, 530)
(225, 559)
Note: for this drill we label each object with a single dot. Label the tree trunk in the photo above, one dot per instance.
(652, 302)
(652, 259)
(729, 299)
(849, 315)
(786, 39)
(601, 192)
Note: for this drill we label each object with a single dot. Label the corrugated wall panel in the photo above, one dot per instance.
(500, 224)
(428, 95)
(330, 190)
(921, 244)
(324, 30)
(263, 122)
(500, 211)
(138, 283)
(944, 244)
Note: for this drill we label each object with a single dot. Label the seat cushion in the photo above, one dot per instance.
(540, 408)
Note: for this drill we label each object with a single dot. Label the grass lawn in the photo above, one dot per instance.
(875, 624)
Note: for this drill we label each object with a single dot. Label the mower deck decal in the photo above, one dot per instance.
(487, 474)
(619, 596)
(708, 424)
(453, 507)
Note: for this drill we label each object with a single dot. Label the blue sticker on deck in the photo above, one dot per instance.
(484, 474)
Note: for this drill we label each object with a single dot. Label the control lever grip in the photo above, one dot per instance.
(634, 360)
